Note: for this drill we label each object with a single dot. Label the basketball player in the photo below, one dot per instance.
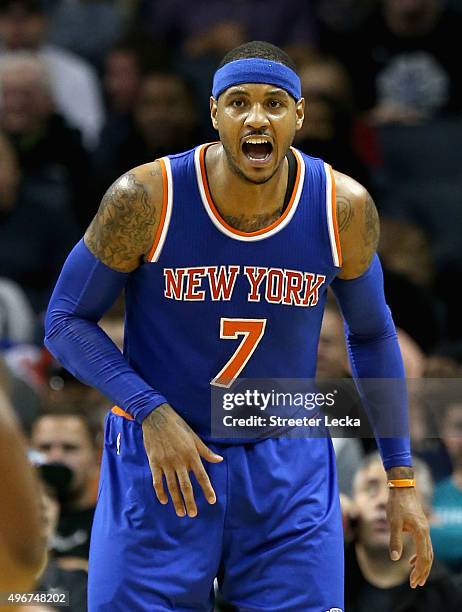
(237, 239)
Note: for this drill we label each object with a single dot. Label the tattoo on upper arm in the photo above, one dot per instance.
(371, 223)
(344, 212)
(123, 228)
(371, 229)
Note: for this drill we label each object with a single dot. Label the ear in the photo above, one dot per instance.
(213, 111)
(300, 113)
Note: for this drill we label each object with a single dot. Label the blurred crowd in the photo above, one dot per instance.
(91, 88)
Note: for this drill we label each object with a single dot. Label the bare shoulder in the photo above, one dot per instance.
(358, 224)
(124, 227)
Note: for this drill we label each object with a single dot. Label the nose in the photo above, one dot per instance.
(55, 455)
(256, 117)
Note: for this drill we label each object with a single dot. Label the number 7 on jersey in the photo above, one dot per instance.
(252, 331)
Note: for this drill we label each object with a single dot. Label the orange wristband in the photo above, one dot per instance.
(401, 483)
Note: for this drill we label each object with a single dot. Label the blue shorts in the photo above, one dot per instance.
(273, 539)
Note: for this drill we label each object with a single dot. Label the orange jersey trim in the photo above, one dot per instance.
(220, 219)
(334, 217)
(152, 250)
(119, 412)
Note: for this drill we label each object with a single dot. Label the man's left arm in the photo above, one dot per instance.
(374, 354)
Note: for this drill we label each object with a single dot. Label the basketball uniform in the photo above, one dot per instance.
(274, 536)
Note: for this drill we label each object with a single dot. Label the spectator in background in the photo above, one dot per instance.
(53, 479)
(327, 131)
(413, 356)
(408, 275)
(163, 120)
(70, 438)
(333, 363)
(373, 581)
(88, 29)
(35, 236)
(16, 315)
(74, 83)
(445, 362)
(405, 69)
(124, 66)
(50, 152)
(332, 355)
(211, 28)
(199, 33)
(63, 389)
(447, 502)
(338, 16)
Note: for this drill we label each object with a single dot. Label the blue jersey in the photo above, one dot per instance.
(213, 303)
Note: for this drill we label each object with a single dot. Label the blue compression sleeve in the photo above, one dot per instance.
(375, 354)
(85, 290)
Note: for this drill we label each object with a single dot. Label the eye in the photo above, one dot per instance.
(237, 103)
(372, 488)
(275, 104)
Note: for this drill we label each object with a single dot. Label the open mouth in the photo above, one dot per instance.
(257, 149)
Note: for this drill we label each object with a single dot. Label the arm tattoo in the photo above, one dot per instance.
(157, 418)
(371, 224)
(344, 212)
(123, 229)
(370, 231)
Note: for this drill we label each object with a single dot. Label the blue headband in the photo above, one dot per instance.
(256, 71)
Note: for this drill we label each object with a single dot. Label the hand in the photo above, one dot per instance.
(405, 513)
(173, 450)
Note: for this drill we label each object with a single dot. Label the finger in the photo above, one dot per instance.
(204, 481)
(423, 580)
(205, 452)
(396, 540)
(174, 491)
(421, 567)
(187, 491)
(413, 578)
(412, 560)
(428, 558)
(158, 483)
(430, 564)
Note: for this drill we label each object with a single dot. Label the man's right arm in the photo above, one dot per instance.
(93, 276)
(123, 230)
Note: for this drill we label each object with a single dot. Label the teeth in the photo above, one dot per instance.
(257, 141)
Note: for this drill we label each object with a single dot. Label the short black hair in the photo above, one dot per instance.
(259, 49)
(88, 419)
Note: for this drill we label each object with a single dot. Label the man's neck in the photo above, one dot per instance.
(378, 569)
(244, 205)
